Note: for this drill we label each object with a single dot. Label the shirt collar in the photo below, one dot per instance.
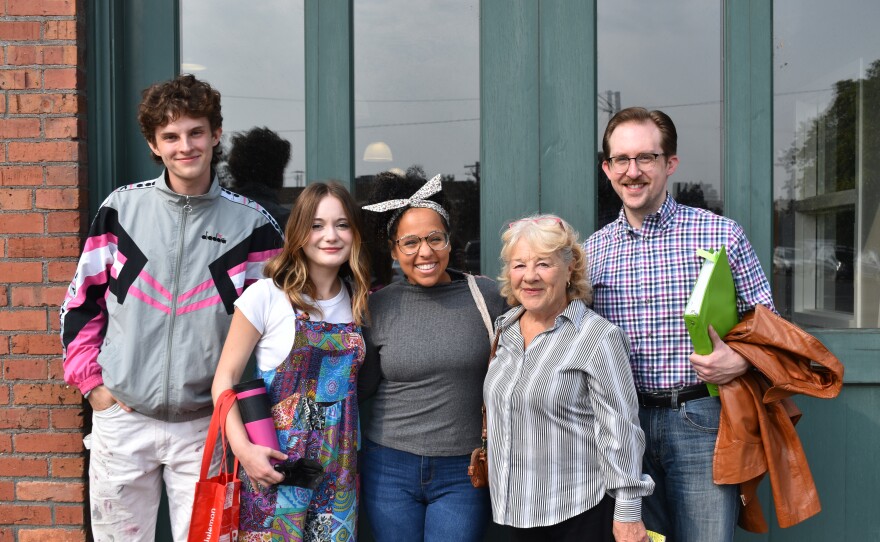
(574, 313)
(654, 224)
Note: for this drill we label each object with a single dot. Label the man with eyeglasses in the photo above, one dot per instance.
(643, 267)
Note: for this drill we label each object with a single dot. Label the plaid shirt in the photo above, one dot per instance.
(642, 280)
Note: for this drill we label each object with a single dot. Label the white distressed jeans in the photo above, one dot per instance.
(131, 454)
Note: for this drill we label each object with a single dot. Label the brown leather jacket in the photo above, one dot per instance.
(756, 432)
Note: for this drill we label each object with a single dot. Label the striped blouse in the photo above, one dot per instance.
(563, 422)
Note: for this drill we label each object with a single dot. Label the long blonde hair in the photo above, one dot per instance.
(289, 270)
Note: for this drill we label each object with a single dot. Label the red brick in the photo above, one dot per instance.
(63, 222)
(22, 223)
(61, 78)
(41, 443)
(34, 104)
(21, 175)
(60, 30)
(60, 271)
(68, 467)
(4, 350)
(26, 515)
(55, 535)
(38, 296)
(21, 55)
(45, 394)
(40, 7)
(7, 491)
(65, 175)
(62, 128)
(48, 151)
(22, 79)
(21, 271)
(25, 369)
(66, 418)
(50, 491)
(37, 345)
(5, 447)
(4, 298)
(43, 247)
(56, 369)
(20, 31)
(69, 515)
(19, 128)
(16, 200)
(24, 418)
(23, 320)
(6, 535)
(23, 466)
(58, 198)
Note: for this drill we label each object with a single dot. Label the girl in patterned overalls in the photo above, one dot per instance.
(303, 324)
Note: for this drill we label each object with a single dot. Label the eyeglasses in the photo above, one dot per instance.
(545, 221)
(644, 161)
(410, 244)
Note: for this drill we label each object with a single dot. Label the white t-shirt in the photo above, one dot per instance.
(268, 309)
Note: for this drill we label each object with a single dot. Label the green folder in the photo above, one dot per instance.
(713, 301)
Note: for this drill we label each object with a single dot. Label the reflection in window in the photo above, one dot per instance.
(676, 70)
(253, 53)
(417, 107)
(826, 185)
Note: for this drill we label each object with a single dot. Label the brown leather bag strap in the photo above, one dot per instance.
(491, 355)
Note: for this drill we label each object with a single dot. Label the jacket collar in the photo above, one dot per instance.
(161, 185)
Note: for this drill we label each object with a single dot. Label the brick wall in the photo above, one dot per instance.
(43, 205)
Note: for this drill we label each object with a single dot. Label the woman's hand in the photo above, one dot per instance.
(255, 460)
(625, 531)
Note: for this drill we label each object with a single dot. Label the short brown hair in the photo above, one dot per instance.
(668, 134)
(184, 95)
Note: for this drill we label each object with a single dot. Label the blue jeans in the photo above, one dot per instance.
(414, 497)
(687, 506)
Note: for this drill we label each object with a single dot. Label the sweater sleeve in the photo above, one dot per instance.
(84, 310)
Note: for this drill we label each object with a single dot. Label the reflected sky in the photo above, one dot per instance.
(417, 84)
(667, 56)
(253, 53)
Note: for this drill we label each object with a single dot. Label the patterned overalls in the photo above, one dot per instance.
(314, 405)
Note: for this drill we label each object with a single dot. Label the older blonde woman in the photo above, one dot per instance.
(565, 446)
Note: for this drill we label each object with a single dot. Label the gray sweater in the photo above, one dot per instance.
(427, 355)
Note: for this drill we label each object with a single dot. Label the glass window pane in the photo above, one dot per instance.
(417, 104)
(676, 68)
(826, 269)
(253, 53)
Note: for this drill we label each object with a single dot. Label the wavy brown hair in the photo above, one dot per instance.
(184, 95)
(289, 270)
(546, 235)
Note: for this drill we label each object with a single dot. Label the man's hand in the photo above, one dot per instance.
(101, 399)
(722, 365)
(633, 531)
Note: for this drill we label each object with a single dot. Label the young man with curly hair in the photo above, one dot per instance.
(146, 314)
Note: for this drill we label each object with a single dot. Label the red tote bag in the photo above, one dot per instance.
(216, 504)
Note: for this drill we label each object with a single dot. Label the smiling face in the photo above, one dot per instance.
(186, 146)
(427, 267)
(538, 281)
(329, 244)
(642, 192)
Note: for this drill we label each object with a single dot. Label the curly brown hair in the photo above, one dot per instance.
(184, 95)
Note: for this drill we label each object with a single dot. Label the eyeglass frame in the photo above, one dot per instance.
(641, 167)
(421, 239)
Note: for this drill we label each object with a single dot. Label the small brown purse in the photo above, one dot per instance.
(478, 470)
